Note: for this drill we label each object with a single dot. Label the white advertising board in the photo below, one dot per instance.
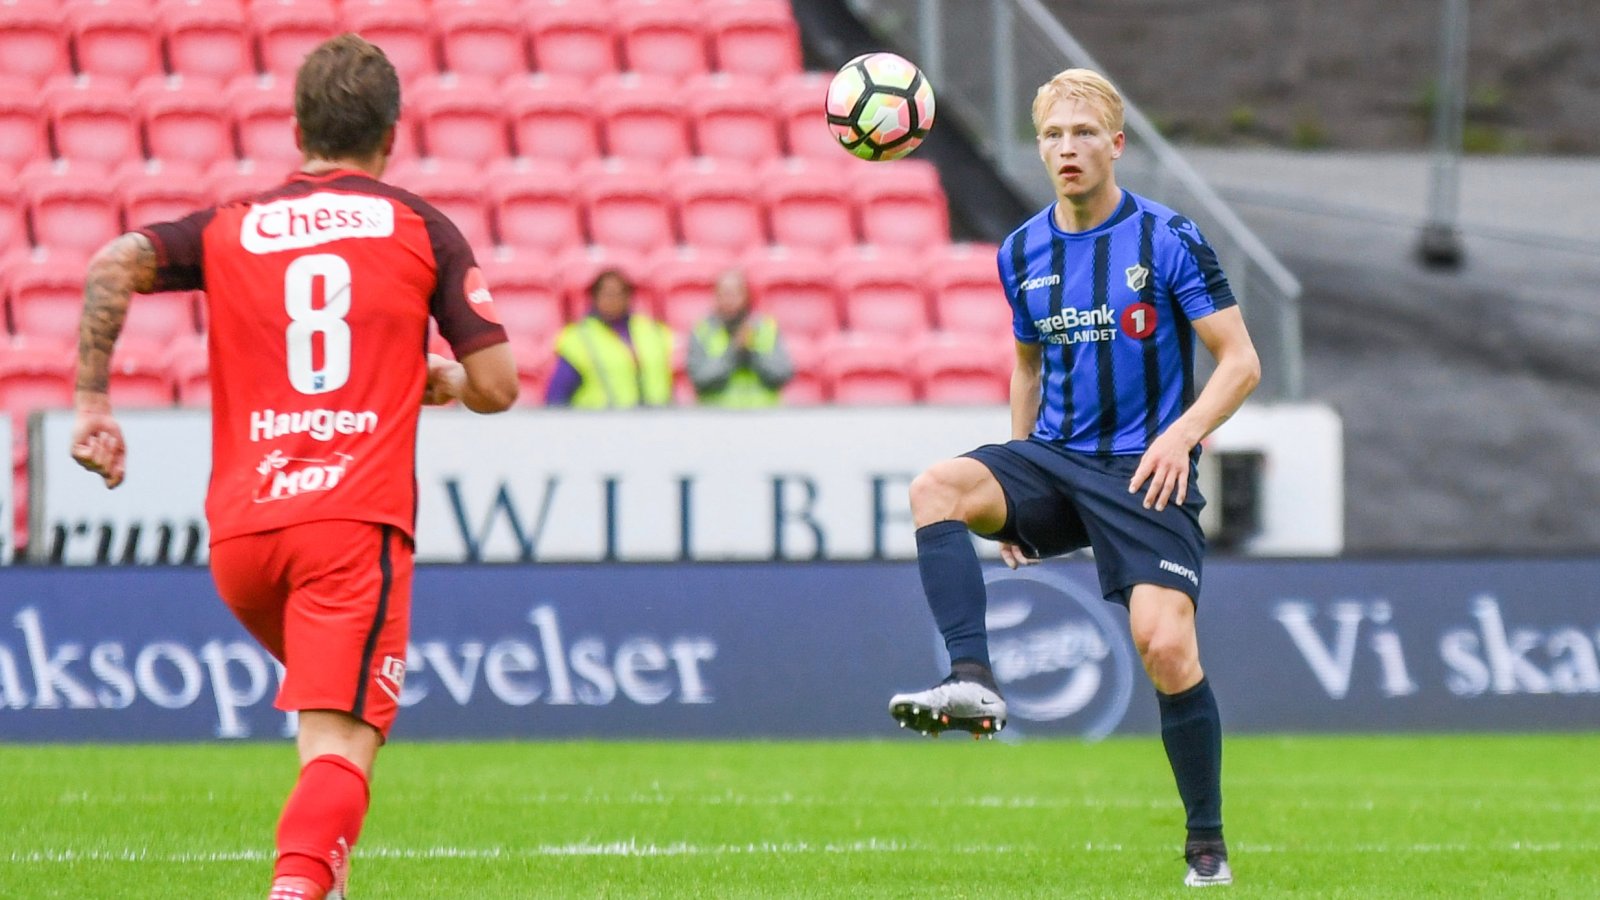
(638, 485)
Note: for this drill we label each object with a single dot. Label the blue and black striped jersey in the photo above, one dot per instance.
(1112, 308)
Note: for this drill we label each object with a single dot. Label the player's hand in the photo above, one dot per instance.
(1013, 556)
(1165, 466)
(97, 446)
(446, 377)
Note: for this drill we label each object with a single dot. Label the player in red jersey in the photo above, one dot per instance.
(319, 293)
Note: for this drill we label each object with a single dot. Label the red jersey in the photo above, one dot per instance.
(318, 294)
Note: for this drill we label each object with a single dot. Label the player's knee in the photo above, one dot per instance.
(934, 497)
(1170, 658)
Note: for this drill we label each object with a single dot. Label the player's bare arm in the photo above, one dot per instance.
(1165, 465)
(1024, 413)
(121, 268)
(485, 381)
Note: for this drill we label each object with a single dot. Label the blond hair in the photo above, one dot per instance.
(1080, 84)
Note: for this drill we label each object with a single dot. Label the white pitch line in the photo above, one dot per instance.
(633, 849)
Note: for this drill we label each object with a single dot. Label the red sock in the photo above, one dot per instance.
(327, 804)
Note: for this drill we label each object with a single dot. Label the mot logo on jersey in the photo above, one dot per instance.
(1062, 662)
(283, 476)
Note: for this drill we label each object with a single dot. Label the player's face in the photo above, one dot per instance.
(1077, 148)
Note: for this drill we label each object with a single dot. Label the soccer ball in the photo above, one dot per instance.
(880, 106)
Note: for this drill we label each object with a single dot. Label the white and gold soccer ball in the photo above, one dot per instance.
(880, 106)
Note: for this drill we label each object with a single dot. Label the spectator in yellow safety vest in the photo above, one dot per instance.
(612, 358)
(736, 358)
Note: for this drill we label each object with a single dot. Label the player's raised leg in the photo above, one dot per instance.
(1163, 626)
(947, 500)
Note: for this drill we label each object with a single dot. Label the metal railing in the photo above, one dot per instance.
(986, 57)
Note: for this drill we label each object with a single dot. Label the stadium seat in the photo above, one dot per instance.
(459, 117)
(665, 39)
(190, 367)
(882, 292)
(901, 204)
(229, 180)
(33, 41)
(452, 187)
(527, 294)
(208, 40)
(403, 30)
(962, 368)
(867, 370)
(70, 208)
(24, 134)
(795, 287)
(807, 387)
(800, 100)
(681, 282)
(34, 375)
(717, 204)
(93, 120)
(13, 215)
(754, 38)
(285, 33)
(115, 39)
(263, 118)
(536, 206)
(185, 120)
(536, 361)
(45, 297)
(964, 283)
(552, 118)
(484, 40)
(573, 39)
(642, 117)
(624, 210)
(141, 375)
(158, 191)
(806, 205)
(733, 118)
(576, 270)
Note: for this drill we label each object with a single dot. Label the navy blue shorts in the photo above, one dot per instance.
(1058, 501)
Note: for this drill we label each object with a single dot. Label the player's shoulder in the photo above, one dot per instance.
(1035, 222)
(1174, 224)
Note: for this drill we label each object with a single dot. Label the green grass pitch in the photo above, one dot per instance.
(1325, 817)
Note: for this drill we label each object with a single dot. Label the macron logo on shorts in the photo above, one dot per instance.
(1168, 565)
(301, 222)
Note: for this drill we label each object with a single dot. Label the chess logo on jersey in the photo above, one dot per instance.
(476, 287)
(283, 477)
(301, 222)
(1138, 277)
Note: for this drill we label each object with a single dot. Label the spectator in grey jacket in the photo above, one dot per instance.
(736, 358)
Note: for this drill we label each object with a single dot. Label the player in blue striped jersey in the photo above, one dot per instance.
(1108, 292)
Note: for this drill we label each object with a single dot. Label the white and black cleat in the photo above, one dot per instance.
(1208, 864)
(954, 703)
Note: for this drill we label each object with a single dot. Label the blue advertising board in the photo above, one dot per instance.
(815, 649)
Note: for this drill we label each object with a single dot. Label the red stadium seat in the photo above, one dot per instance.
(460, 117)
(807, 387)
(882, 292)
(527, 295)
(717, 204)
(963, 368)
(46, 298)
(140, 375)
(577, 269)
(901, 204)
(536, 206)
(455, 189)
(190, 366)
(800, 101)
(33, 41)
(868, 370)
(536, 361)
(572, 39)
(403, 30)
(681, 281)
(795, 287)
(806, 205)
(13, 215)
(34, 375)
(158, 192)
(625, 207)
(70, 209)
(116, 40)
(732, 118)
(94, 120)
(665, 39)
(483, 40)
(552, 118)
(230, 180)
(263, 117)
(23, 124)
(964, 282)
(642, 117)
(285, 33)
(754, 38)
(185, 120)
(209, 40)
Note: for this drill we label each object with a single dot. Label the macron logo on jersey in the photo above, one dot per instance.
(1041, 281)
(321, 424)
(301, 222)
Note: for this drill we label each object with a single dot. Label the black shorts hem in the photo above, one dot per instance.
(1122, 594)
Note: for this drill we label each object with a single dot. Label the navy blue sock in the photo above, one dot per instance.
(1191, 730)
(953, 581)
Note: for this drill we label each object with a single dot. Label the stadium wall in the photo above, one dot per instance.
(776, 650)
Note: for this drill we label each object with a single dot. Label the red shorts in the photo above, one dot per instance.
(332, 601)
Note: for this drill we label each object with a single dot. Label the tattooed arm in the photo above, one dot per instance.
(123, 267)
